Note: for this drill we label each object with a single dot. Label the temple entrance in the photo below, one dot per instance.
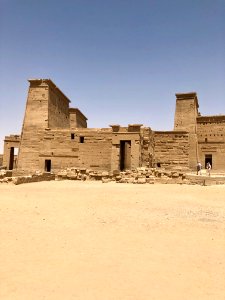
(13, 153)
(208, 158)
(11, 158)
(125, 155)
(48, 165)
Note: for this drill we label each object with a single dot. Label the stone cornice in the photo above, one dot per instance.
(50, 83)
(211, 119)
(187, 96)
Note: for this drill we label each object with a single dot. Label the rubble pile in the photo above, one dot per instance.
(139, 175)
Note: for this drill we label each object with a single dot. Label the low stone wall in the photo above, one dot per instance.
(205, 180)
(28, 179)
(5, 173)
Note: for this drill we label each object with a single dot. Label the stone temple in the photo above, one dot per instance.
(55, 136)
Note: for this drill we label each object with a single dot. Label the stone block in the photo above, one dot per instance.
(106, 180)
(141, 180)
(105, 173)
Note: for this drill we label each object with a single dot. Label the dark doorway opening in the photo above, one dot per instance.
(11, 158)
(48, 165)
(125, 155)
(208, 158)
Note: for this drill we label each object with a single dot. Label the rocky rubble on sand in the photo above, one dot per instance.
(140, 175)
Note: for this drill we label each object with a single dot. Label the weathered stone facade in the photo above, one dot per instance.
(55, 136)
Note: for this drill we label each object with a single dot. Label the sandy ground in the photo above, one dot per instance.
(88, 240)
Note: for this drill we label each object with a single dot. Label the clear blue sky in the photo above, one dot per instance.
(119, 61)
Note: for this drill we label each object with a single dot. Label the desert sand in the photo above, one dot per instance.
(88, 240)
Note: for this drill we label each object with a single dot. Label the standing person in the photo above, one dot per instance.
(199, 168)
(208, 167)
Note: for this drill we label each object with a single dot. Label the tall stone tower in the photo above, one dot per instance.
(186, 120)
(47, 108)
(186, 112)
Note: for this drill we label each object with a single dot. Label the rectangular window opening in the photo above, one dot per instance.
(72, 136)
(81, 139)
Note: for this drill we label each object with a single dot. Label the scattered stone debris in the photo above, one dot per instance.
(141, 175)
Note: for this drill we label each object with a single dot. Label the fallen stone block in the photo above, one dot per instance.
(105, 174)
(106, 180)
(141, 180)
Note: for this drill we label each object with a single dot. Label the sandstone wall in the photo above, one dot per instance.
(35, 120)
(47, 107)
(185, 119)
(133, 134)
(77, 119)
(147, 150)
(80, 121)
(58, 109)
(211, 140)
(95, 150)
(211, 129)
(171, 149)
(89, 148)
(36, 113)
(186, 112)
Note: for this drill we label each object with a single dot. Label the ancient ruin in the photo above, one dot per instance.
(55, 137)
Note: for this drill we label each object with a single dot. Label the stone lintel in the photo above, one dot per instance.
(50, 83)
(12, 138)
(75, 110)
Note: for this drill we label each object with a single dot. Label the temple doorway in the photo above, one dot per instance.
(13, 158)
(48, 165)
(208, 158)
(125, 155)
